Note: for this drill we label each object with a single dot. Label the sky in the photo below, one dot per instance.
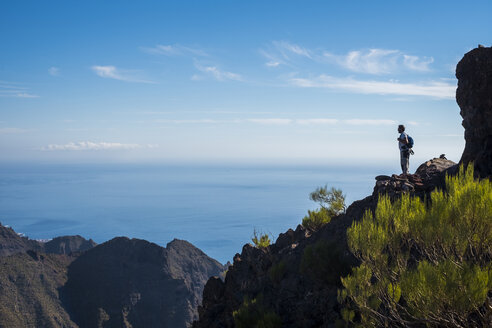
(232, 81)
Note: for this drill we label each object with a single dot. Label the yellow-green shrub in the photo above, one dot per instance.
(421, 264)
(254, 314)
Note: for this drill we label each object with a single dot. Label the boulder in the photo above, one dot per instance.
(474, 96)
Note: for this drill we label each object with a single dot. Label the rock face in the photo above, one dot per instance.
(474, 96)
(12, 243)
(133, 283)
(68, 245)
(429, 176)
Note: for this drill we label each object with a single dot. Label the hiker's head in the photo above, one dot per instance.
(401, 128)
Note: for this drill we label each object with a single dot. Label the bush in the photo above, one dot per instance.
(260, 240)
(324, 261)
(333, 200)
(254, 314)
(316, 219)
(424, 265)
(332, 203)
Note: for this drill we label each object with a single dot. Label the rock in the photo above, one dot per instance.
(474, 96)
(382, 177)
(68, 245)
(13, 243)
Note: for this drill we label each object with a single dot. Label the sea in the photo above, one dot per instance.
(215, 207)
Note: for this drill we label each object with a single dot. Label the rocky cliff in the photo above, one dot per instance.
(294, 282)
(474, 96)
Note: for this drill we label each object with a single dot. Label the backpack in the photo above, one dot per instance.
(410, 142)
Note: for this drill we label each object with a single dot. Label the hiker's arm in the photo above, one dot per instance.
(405, 141)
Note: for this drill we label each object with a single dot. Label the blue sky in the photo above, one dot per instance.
(230, 81)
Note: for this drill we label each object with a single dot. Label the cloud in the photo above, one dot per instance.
(369, 61)
(174, 50)
(274, 121)
(88, 145)
(284, 121)
(288, 49)
(370, 122)
(434, 89)
(111, 72)
(272, 63)
(317, 121)
(216, 73)
(15, 90)
(283, 52)
(54, 71)
(379, 61)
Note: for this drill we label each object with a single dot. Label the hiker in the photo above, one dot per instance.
(404, 150)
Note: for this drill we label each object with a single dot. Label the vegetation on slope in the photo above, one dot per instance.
(423, 265)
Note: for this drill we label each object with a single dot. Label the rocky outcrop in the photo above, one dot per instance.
(474, 96)
(13, 243)
(68, 245)
(134, 283)
(429, 176)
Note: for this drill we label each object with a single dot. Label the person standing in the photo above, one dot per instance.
(404, 151)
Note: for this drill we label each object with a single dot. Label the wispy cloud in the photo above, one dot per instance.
(54, 71)
(111, 72)
(317, 121)
(174, 50)
(379, 61)
(283, 53)
(88, 145)
(216, 73)
(369, 61)
(15, 90)
(434, 89)
(370, 122)
(284, 121)
(274, 121)
(288, 49)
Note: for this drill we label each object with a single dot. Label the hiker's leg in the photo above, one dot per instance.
(404, 162)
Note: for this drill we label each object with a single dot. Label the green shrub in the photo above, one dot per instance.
(332, 203)
(332, 200)
(260, 240)
(316, 219)
(324, 261)
(277, 271)
(424, 265)
(254, 314)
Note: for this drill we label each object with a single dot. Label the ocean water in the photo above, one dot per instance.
(214, 207)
